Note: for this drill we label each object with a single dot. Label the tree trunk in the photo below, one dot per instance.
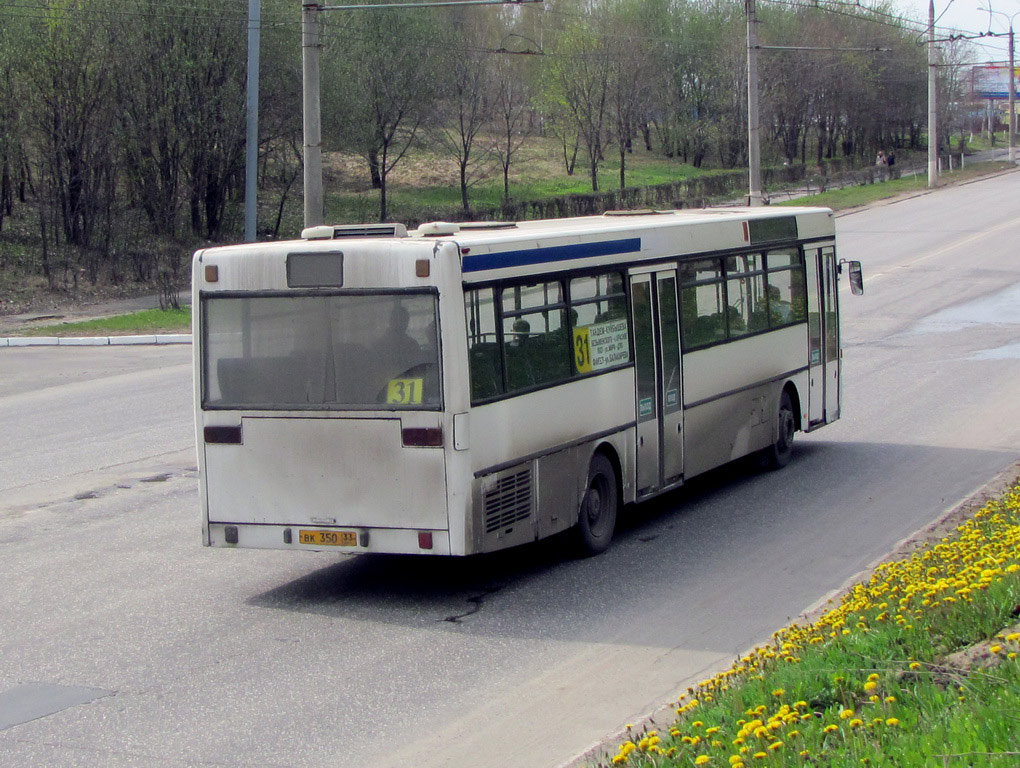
(373, 169)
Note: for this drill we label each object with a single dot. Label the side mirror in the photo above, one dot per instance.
(856, 276)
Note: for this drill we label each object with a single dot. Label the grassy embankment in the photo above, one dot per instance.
(425, 184)
(917, 666)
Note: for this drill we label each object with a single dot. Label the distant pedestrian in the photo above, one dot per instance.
(882, 165)
(891, 161)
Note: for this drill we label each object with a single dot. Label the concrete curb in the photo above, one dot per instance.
(94, 341)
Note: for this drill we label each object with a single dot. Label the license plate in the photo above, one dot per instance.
(329, 538)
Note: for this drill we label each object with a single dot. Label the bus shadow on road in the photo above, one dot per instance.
(737, 534)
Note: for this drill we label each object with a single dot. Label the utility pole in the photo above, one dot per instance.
(754, 197)
(251, 142)
(933, 144)
(311, 115)
(1012, 92)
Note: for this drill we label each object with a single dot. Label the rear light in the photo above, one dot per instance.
(422, 437)
(424, 539)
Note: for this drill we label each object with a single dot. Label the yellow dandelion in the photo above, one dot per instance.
(830, 728)
(892, 721)
(775, 745)
(846, 714)
(702, 760)
(870, 686)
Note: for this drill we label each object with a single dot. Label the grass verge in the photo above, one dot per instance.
(853, 197)
(144, 322)
(917, 666)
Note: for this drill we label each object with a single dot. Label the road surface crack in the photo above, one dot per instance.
(476, 602)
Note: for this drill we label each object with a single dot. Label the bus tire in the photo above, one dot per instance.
(778, 454)
(596, 519)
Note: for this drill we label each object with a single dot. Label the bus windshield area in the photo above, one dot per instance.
(286, 352)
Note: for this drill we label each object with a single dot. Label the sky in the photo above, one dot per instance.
(967, 16)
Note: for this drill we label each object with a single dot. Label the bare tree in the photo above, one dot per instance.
(512, 112)
(382, 67)
(465, 101)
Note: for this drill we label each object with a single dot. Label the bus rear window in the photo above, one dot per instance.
(324, 351)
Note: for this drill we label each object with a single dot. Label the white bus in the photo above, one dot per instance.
(464, 388)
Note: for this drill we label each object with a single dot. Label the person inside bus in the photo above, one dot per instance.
(781, 311)
(401, 351)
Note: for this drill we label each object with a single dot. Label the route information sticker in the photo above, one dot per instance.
(600, 346)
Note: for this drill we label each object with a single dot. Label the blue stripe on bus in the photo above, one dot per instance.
(554, 253)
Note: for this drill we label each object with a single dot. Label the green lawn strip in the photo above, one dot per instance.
(146, 322)
(917, 666)
(862, 194)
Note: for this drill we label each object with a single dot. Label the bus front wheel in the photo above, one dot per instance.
(597, 516)
(778, 454)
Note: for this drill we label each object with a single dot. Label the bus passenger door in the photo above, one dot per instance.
(659, 396)
(830, 328)
(823, 340)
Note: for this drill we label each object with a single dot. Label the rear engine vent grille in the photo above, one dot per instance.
(508, 502)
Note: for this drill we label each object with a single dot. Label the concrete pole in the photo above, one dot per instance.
(933, 143)
(755, 197)
(311, 113)
(251, 145)
(1012, 96)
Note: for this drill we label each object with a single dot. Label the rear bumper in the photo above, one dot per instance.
(405, 541)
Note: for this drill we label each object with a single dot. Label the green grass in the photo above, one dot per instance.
(852, 197)
(145, 322)
(917, 666)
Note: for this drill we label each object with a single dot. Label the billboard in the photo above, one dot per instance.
(991, 81)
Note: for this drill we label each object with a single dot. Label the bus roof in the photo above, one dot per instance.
(495, 250)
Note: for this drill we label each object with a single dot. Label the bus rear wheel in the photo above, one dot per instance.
(597, 516)
(778, 454)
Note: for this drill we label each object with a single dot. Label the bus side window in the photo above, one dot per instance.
(485, 374)
(484, 364)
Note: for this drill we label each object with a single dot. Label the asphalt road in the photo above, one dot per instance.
(152, 651)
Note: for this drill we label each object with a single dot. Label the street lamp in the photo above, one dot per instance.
(1012, 86)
